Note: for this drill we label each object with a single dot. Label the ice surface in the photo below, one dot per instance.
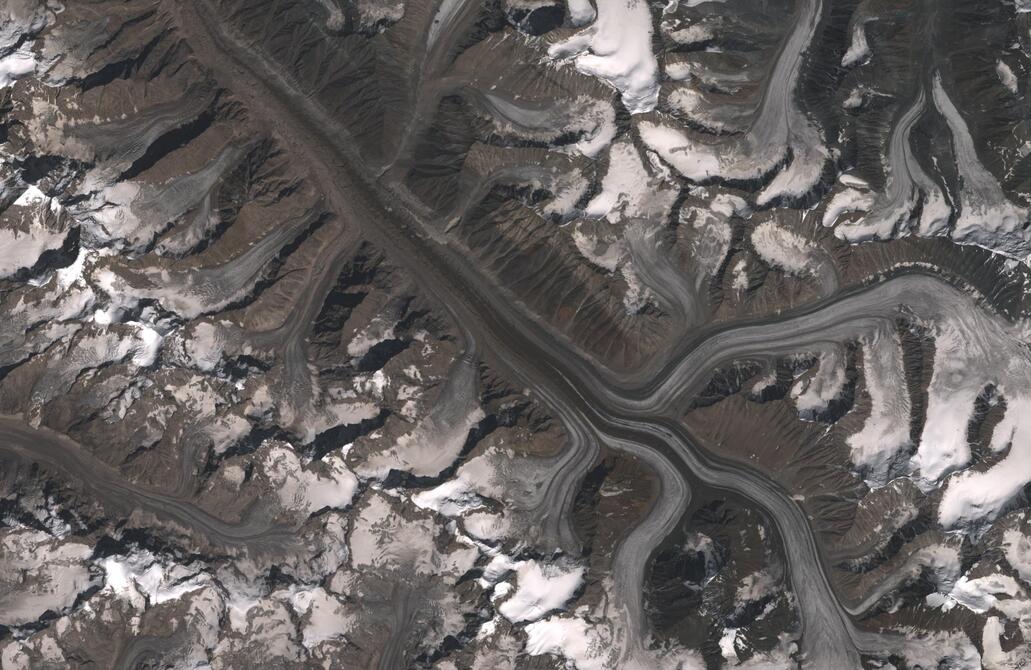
(726, 644)
(814, 394)
(755, 587)
(452, 498)
(581, 12)
(885, 433)
(674, 148)
(939, 649)
(980, 594)
(324, 616)
(540, 589)
(975, 351)
(307, 490)
(446, 12)
(694, 105)
(335, 19)
(597, 120)
(145, 352)
(617, 48)
(32, 226)
(571, 638)
(986, 217)
(142, 579)
(204, 348)
(994, 657)
(776, 131)
(845, 202)
(383, 538)
(628, 191)
(437, 441)
(148, 335)
(784, 249)
(606, 256)
(595, 646)
(890, 213)
(711, 233)
(39, 573)
(974, 496)
(1017, 547)
(951, 394)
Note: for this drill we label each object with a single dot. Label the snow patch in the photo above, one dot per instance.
(1006, 76)
(740, 275)
(16, 66)
(378, 330)
(858, 49)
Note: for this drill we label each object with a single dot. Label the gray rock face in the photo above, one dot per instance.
(523, 334)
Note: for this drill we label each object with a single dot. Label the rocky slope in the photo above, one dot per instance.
(514, 334)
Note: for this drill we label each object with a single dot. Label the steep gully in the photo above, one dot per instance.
(640, 420)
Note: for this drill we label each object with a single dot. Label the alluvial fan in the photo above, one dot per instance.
(515, 334)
